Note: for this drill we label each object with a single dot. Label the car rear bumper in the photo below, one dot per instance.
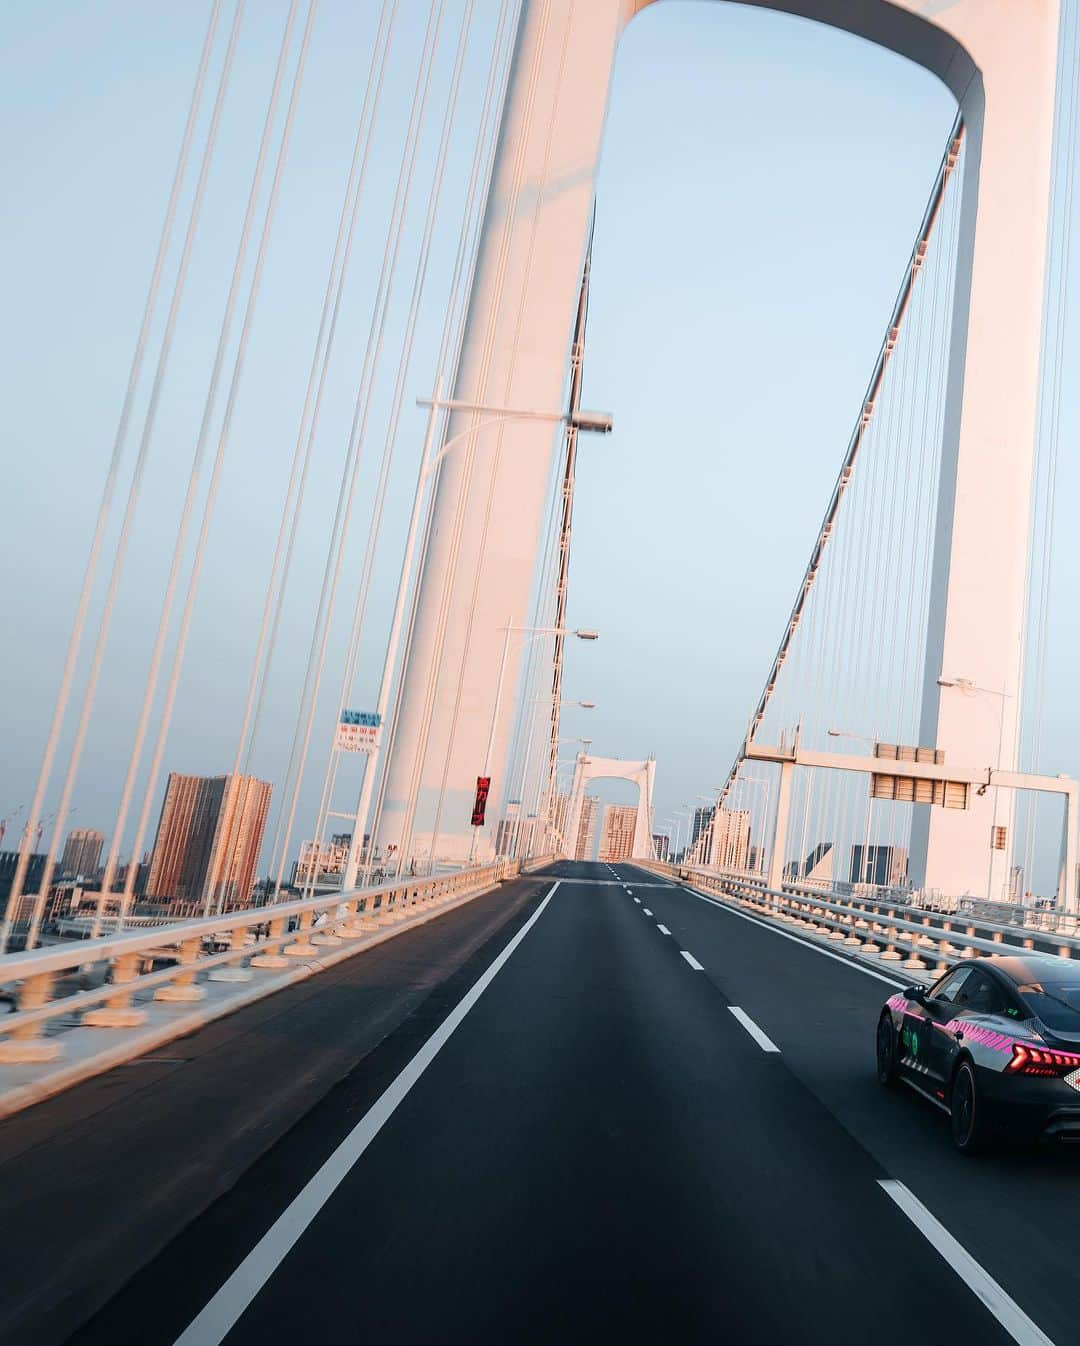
(1035, 1109)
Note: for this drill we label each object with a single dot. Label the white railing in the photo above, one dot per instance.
(884, 929)
(117, 972)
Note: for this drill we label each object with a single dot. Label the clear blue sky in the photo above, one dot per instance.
(762, 181)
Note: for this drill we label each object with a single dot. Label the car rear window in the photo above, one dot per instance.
(1057, 1004)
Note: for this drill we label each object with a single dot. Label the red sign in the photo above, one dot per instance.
(483, 784)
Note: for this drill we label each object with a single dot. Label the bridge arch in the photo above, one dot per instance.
(999, 61)
(588, 768)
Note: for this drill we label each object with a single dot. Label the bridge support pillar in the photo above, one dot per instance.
(779, 840)
(999, 61)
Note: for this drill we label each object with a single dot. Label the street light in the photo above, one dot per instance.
(846, 733)
(601, 422)
(763, 785)
(583, 633)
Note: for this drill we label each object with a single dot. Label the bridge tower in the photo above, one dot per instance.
(999, 61)
(642, 774)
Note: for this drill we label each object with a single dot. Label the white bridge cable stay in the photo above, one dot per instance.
(453, 328)
(195, 479)
(356, 634)
(850, 664)
(469, 450)
(429, 461)
(504, 395)
(350, 471)
(292, 507)
(1043, 518)
(108, 492)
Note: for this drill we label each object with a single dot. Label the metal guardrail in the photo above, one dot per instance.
(886, 930)
(256, 941)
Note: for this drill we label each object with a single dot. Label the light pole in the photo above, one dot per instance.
(762, 785)
(582, 633)
(599, 422)
(553, 749)
(861, 738)
(679, 815)
(516, 839)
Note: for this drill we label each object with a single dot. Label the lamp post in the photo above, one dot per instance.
(861, 738)
(582, 633)
(516, 838)
(595, 421)
(762, 785)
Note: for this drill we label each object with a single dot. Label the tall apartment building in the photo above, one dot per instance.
(82, 853)
(586, 837)
(208, 839)
(884, 866)
(617, 832)
(729, 845)
(702, 818)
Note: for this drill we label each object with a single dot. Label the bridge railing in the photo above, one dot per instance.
(891, 931)
(107, 982)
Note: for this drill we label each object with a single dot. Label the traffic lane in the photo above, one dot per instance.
(600, 1150)
(1012, 1210)
(181, 1126)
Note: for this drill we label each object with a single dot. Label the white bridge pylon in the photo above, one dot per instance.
(999, 61)
(642, 774)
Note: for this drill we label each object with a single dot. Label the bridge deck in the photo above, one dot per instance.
(599, 1150)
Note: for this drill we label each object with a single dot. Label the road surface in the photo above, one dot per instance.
(611, 1110)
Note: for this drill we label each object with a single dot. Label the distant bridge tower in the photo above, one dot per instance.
(998, 57)
(642, 774)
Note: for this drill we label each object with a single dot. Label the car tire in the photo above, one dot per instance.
(885, 1044)
(967, 1112)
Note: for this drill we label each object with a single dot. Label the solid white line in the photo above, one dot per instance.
(225, 1309)
(806, 943)
(692, 961)
(646, 911)
(762, 1039)
(1005, 1309)
(663, 929)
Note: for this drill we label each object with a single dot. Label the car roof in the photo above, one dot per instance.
(1020, 968)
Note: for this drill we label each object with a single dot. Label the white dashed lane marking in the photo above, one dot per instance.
(762, 1039)
(692, 961)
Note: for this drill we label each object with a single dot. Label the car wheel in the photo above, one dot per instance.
(886, 1051)
(967, 1113)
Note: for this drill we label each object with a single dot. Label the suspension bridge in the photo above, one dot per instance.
(341, 1027)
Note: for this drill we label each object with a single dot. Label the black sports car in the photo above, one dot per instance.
(995, 1043)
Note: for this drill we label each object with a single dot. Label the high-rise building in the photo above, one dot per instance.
(35, 872)
(617, 832)
(703, 816)
(816, 870)
(208, 839)
(661, 845)
(509, 824)
(729, 847)
(883, 866)
(586, 837)
(82, 853)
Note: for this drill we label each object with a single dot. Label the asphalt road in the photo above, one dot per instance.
(574, 1137)
(99, 1180)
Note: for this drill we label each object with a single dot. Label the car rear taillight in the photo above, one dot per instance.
(1029, 1060)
